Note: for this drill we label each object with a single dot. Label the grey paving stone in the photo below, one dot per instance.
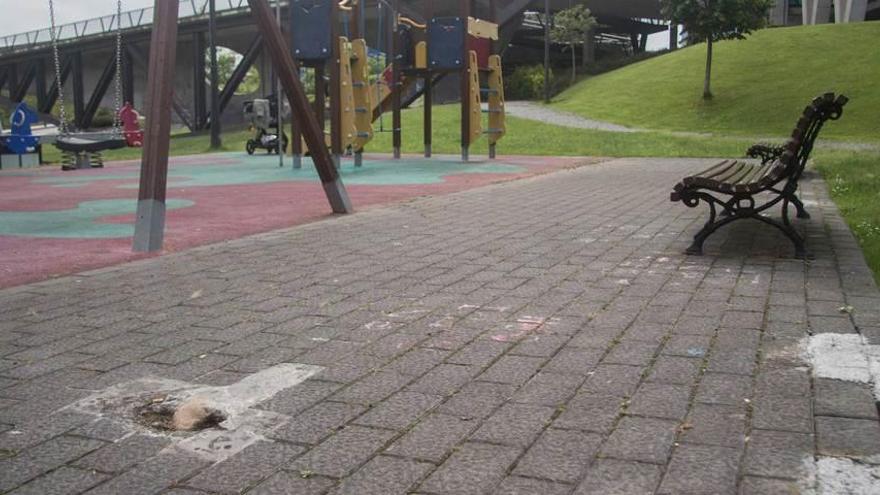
(474, 468)
(608, 476)
(723, 388)
(783, 413)
(385, 475)
(514, 370)
(399, 411)
(675, 370)
(292, 482)
(715, 424)
(62, 481)
(433, 438)
(660, 400)
(687, 346)
(701, 469)
(778, 454)
(848, 437)
(516, 485)
(514, 424)
(417, 361)
(846, 399)
(548, 389)
(152, 476)
(614, 379)
(641, 439)
(293, 400)
(123, 454)
(479, 353)
(477, 400)
(540, 345)
(317, 423)
(574, 361)
(559, 455)
(245, 469)
(636, 353)
(590, 412)
(444, 380)
(344, 452)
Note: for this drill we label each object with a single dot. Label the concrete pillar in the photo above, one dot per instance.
(816, 11)
(779, 13)
(846, 11)
(673, 36)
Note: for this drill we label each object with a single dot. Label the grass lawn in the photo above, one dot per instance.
(854, 181)
(760, 84)
(524, 137)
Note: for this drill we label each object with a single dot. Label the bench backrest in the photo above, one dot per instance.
(799, 146)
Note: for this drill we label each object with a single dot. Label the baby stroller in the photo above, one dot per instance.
(263, 116)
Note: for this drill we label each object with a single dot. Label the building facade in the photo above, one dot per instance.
(794, 12)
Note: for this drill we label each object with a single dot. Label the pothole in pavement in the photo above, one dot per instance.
(166, 414)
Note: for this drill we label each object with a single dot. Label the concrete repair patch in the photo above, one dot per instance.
(844, 356)
(839, 476)
(243, 424)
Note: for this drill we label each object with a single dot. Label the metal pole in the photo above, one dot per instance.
(150, 222)
(546, 51)
(396, 84)
(279, 119)
(216, 143)
(427, 124)
(465, 83)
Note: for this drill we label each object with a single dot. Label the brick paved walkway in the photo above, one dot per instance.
(541, 336)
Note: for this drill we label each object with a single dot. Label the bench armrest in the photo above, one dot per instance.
(765, 152)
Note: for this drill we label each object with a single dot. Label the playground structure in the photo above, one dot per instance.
(83, 149)
(420, 53)
(20, 148)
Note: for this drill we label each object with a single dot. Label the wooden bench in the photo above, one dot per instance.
(747, 189)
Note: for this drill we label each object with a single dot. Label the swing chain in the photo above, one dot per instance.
(117, 123)
(62, 112)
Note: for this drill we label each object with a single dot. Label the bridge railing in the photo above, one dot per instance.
(107, 24)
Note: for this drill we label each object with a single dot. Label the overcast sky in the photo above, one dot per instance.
(26, 15)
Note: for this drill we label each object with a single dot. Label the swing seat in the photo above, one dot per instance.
(75, 144)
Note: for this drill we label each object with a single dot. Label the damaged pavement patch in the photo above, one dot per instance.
(212, 422)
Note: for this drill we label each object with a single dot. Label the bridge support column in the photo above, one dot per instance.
(816, 11)
(846, 11)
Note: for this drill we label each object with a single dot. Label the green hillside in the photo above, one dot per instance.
(760, 84)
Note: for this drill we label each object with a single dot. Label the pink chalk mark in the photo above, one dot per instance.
(526, 325)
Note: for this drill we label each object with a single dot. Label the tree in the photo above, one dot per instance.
(716, 20)
(227, 61)
(571, 27)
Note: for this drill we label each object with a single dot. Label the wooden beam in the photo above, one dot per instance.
(283, 63)
(150, 222)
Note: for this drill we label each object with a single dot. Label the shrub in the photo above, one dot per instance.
(526, 83)
(103, 117)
